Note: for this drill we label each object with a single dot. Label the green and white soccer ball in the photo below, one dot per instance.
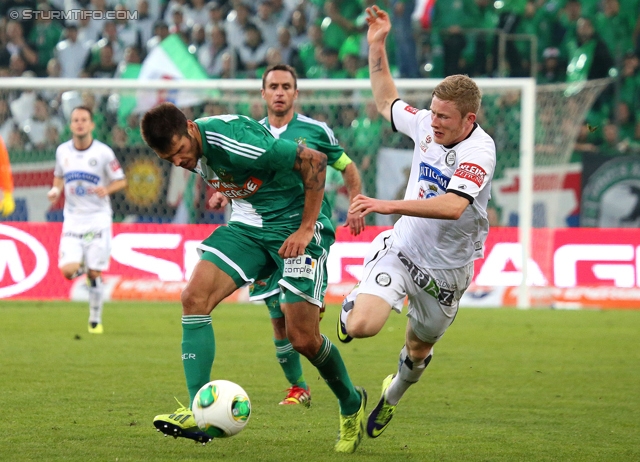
(221, 408)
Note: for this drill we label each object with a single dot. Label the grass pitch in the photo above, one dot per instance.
(504, 385)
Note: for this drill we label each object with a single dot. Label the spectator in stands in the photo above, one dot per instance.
(367, 140)
(568, 24)
(288, 50)
(106, 67)
(229, 65)
(17, 65)
(267, 22)
(342, 24)
(615, 28)
(299, 26)
(215, 14)
(353, 66)
(132, 56)
(236, 23)
(630, 81)
(7, 203)
(110, 35)
(509, 22)
(211, 53)
(8, 6)
(588, 49)
(282, 10)
(171, 7)
(252, 53)
(145, 22)
(625, 121)
(89, 31)
(402, 26)
(17, 44)
(198, 13)
(552, 71)
(311, 51)
(44, 36)
(35, 127)
(17, 140)
(329, 68)
(479, 57)
(71, 53)
(449, 20)
(7, 123)
(53, 71)
(197, 39)
(160, 32)
(179, 23)
(126, 31)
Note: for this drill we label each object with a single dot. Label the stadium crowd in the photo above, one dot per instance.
(555, 40)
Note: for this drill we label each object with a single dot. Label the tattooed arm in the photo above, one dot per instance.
(312, 166)
(384, 90)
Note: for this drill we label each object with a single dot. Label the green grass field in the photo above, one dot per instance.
(504, 385)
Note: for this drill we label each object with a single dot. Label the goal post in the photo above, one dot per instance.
(511, 113)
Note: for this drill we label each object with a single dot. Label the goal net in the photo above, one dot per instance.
(535, 129)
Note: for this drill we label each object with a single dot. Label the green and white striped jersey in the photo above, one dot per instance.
(247, 164)
(315, 135)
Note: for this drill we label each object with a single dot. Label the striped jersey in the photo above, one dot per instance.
(245, 162)
(315, 135)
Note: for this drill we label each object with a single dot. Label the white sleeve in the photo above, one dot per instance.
(475, 165)
(406, 118)
(113, 169)
(57, 170)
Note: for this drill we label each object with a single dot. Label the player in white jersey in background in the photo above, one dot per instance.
(429, 254)
(88, 172)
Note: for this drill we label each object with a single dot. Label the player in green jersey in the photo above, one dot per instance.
(280, 92)
(276, 188)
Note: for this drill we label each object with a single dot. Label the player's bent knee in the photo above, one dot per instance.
(306, 345)
(194, 302)
(361, 328)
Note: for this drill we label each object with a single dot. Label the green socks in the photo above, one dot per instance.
(198, 351)
(333, 371)
(289, 360)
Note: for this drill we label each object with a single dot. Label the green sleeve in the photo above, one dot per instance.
(281, 156)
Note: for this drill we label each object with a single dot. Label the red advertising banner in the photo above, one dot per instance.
(569, 268)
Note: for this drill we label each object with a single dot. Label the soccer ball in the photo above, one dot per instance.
(221, 408)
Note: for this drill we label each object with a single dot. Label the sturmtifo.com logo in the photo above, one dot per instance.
(73, 15)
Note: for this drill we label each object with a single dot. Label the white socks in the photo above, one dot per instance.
(408, 374)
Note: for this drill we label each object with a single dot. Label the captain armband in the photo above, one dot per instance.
(342, 162)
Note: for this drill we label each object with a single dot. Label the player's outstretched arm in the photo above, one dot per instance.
(312, 166)
(382, 86)
(448, 206)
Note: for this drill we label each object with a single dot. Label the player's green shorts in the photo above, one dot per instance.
(247, 254)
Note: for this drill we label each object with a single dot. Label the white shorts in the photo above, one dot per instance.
(92, 250)
(433, 294)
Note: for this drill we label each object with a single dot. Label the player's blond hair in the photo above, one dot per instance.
(463, 91)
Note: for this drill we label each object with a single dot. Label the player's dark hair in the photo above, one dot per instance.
(281, 67)
(83, 108)
(161, 124)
